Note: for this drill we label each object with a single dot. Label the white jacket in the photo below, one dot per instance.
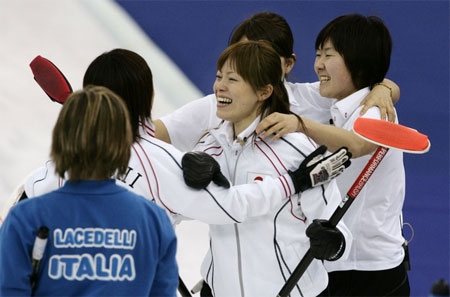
(375, 217)
(254, 258)
(155, 173)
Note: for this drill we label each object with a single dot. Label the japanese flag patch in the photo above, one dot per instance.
(254, 176)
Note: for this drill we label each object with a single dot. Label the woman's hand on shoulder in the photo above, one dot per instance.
(278, 124)
(383, 95)
(377, 98)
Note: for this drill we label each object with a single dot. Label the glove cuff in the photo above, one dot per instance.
(301, 181)
(339, 252)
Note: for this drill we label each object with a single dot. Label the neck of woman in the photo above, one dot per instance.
(240, 126)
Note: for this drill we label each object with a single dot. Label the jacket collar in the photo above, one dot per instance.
(225, 133)
(91, 186)
(146, 129)
(341, 110)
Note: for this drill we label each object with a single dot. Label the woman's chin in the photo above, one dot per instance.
(222, 115)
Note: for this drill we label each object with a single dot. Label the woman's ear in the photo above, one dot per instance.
(289, 63)
(265, 92)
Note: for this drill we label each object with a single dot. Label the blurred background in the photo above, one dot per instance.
(181, 41)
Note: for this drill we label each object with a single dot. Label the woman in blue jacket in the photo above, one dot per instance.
(103, 239)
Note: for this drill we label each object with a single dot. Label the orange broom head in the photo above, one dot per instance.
(391, 135)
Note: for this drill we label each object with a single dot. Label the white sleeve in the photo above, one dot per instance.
(188, 123)
(213, 205)
(42, 181)
(371, 113)
(12, 200)
(217, 205)
(308, 102)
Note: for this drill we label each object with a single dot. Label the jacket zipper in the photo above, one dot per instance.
(236, 231)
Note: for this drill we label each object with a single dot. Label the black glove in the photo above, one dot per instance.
(316, 171)
(199, 169)
(327, 242)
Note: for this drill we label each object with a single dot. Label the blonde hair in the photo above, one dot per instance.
(92, 136)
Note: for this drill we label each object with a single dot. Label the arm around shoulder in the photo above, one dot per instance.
(394, 88)
(161, 131)
(184, 127)
(383, 95)
(335, 138)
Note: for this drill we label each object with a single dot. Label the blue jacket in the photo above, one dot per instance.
(104, 240)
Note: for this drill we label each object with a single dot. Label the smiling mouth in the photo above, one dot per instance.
(324, 79)
(223, 100)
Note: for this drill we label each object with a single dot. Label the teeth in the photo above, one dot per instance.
(324, 78)
(224, 100)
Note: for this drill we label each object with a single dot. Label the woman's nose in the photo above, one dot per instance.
(318, 64)
(219, 85)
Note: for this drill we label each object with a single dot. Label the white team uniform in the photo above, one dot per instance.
(255, 257)
(155, 173)
(186, 124)
(375, 216)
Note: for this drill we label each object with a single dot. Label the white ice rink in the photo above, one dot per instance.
(71, 33)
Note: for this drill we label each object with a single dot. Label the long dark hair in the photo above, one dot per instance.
(128, 75)
(267, 26)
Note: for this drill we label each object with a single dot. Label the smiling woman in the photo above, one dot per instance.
(236, 100)
(335, 79)
(348, 67)
(241, 95)
(264, 249)
(186, 125)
